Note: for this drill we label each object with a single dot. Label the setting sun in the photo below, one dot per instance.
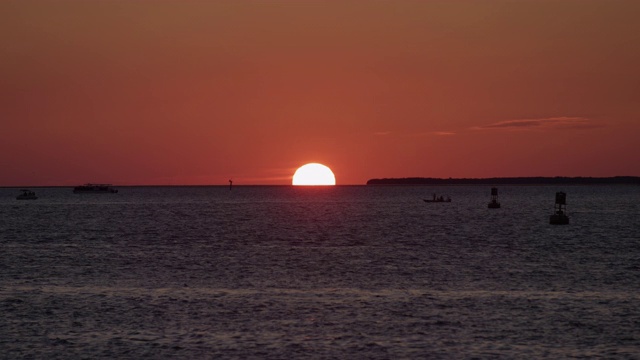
(314, 174)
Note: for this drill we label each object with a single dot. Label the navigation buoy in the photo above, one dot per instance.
(560, 216)
(230, 184)
(494, 204)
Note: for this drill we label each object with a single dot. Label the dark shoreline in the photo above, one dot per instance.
(558, 180)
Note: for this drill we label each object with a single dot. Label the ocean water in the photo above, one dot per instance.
(280, 272)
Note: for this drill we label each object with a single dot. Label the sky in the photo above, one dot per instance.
(179, 92)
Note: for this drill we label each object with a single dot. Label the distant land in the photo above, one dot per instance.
(558, 180)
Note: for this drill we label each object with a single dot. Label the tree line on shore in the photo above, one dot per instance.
(538, 180)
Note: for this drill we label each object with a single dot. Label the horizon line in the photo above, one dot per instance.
(360, 184)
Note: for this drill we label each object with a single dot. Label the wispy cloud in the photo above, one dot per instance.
(414, 134)
(429, 133)
(561, 122)
(443, 133)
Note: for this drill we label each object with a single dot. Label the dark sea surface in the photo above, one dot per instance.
(319, 273)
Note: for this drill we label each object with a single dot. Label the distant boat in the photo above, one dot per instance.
(438, 199)
(26, 195)
(94, 189)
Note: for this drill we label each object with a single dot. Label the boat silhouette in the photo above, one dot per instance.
(438, 199)
(26, 195)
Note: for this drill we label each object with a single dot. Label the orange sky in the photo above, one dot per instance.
(197, 92)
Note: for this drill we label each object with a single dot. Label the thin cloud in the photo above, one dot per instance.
(561, 122)
(430, 133)
(414, 134)
(443, 133)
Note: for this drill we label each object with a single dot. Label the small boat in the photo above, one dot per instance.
(438, 199)
(94, 189)
(26, 195)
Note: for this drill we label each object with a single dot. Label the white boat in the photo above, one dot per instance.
(94, 189)
(26, 195)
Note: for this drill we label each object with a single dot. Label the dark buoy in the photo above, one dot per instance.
(230, 184)
(494, 204)
(560, 216)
